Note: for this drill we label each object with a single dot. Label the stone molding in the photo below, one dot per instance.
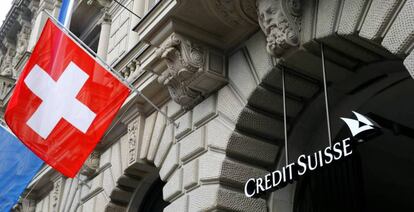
(234, 13)
(34, 9)
(22, 41)
(194, 70)
(280, 21)
(103, 3)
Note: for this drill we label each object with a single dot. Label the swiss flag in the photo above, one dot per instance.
(63, 102)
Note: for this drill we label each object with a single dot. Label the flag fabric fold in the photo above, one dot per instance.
(17, 168)
(63, 101)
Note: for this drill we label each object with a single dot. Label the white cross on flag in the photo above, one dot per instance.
(63, 102)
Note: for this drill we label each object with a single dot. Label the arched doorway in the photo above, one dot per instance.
(148, 196)
(377, 177)
(139, 189)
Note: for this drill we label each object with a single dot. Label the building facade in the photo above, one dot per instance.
(214, 68)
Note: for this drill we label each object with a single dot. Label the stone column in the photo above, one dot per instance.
(56, 8)
(40, 21)
(22, 41)
(105, 35)
(139, 9)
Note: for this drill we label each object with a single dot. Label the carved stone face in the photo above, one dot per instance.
(279, 29)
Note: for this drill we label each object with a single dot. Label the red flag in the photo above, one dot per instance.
(63, 102)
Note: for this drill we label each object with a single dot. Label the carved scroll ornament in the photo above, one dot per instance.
(185, 61)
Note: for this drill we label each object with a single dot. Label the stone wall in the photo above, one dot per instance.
(235, 133)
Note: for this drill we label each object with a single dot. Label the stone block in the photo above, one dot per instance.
(260, 124)
(178, 205)
(89, 205)
(192, 144)
(251, 149)
(204, 110)
(97, 182)
(174, 186)
(409, 64)
(295, 85)
(236, 201)
(159, 128)
(203, 198)
(240, 71)
(174, 109)
(272, 102)
(100, 203)
(184, 125)
(218, 133)
(229, 103)
(352, 13)
(116, 154)
(215, 197)
(210, 166)
(146, 138)
(237, 173)
(262, 61)
(166, 141)
(400, 36)
(190, 174)
(328, 12)
(379, 16)
(171, 162)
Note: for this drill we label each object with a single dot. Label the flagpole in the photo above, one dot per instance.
(112, 70)
(65, 14)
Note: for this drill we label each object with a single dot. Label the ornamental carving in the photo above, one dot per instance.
(280, 22)
(5, 86)
(132, 142)
(22, 40)
(7, 63)
(185, 61)
(91, 165)
(55, 195)
(25, 205)
(234, 13)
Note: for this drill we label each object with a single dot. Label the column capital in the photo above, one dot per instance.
(106, 16)
(194, 70)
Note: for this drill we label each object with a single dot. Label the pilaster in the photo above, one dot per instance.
(40, 20)
(139, 9)
(105, 34)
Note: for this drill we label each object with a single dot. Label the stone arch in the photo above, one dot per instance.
(308, 133)
(231, 136)
(355, 34)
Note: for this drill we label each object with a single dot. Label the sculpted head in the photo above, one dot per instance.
(278, 20)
